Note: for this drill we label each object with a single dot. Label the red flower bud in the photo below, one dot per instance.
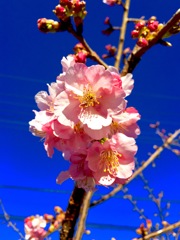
(152, 25)
(140, 25)
(134, 33)
(142, 42)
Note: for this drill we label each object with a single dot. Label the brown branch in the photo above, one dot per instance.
(138, 52)
(122, 34)
(72, 214)
(83, 216)
(161, 231)
(140, 169)
(92, 54)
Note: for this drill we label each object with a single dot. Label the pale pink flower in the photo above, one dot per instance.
(123, 122)
(126, 82)
(90, 95)
(50, 130)
(112, 160)
(79, 141)
(45, 103)
(44, 100)
(79, 172)
(84, 116)
(126, 123)
(67, 62)
(34, 228)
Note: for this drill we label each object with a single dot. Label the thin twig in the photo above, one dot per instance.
(92, 54)
(161, 231)
(140, 169)
(122, 34)
(9, 223)
(134, 203)
(83, 216)
(136, 19)
(137, 52)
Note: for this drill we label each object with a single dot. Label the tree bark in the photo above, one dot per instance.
(72, 214)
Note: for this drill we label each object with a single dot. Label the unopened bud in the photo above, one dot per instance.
(48, 217)
(152, 25)
(135, 33)
(60, 12)
(139, 25)
(48, 25)
(142, 42)
(107, 21)
(58, 209)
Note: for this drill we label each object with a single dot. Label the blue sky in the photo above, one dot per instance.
(28, 61)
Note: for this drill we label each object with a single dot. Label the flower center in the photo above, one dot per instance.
(88, 99)
(109, 161)
(117, 127)
(51, 107)
(38, 133)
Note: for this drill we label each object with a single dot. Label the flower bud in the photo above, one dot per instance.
(140, 25)
(142, 42)
(152, 25)
(48, 217)
(58, 209)
(107, 21)
(48, 25)
(80, 57)
(134, 33)
(61, 13)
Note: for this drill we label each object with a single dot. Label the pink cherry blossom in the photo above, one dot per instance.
(50, 130)
(67, 62)
(34, 228)
(84, 116)
(123, 122)
(79, 172)
(126, 123)
(44, 100)
(90, 94)
(112, 160)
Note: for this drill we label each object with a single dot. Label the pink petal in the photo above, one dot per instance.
(63, 176)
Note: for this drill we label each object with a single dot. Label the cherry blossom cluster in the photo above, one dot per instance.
(36, 226)
(64, 11)
(74, 8)
(84, 116)
(145, 31)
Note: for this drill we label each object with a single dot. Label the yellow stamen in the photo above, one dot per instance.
(109, 161)
(88, 99)
(78, 128)
(51, 107)
(117, 127)
(39, 133)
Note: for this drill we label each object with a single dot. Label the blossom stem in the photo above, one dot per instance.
(72, 213)
(122, 34)
(140, 169)
(92, 54)
(136, 19)
(161, 231)
(137, 52)
(9, 223)
(83, 215)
